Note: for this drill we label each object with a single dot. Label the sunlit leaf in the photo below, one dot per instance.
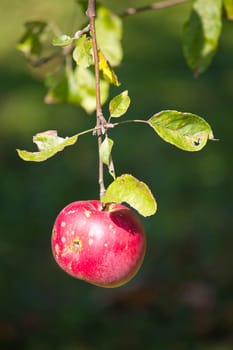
(86, 85)
(109, 34)
(186, 131)
(201, 34)
(77, 87)
(119, 104)
(228, 8)
(105, 150)
(108, 72)
(82, 53)
(31, 41)
(126, 188)
(48, 144)
(62, 40)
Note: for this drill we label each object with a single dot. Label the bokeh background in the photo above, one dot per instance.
(182, 297)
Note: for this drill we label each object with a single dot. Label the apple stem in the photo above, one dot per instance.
(100, 120)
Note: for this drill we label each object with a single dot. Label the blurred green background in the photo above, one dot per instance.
(182, 297)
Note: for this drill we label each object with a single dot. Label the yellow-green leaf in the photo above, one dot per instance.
(119, 104)
(108, 73)
(109, 34)
(82, 53)
(48, 144)
(86, 85)
(126, 188)
(105, 150)
(77, 87)
(186, 131)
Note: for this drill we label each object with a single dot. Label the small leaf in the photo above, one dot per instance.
(109, 34)
(82, 53)
(62, 40)
(228, 8)
(186, 131)
(108, 73)
(137, 194)
(119, 104)
(201, 34)
(105, 155)
(48, 143)
(105, 150)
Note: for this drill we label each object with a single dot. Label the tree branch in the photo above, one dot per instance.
(154, 6)
(100, 120)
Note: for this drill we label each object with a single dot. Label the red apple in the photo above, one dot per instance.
(103, 246)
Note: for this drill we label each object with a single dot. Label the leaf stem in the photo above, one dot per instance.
(100, 120)
(130, 121)
(154, 6)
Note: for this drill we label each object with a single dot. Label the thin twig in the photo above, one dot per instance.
(154, 6)
(100, 120)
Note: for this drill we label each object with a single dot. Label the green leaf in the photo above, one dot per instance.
(31, 41)
(201, 34)
(119, 104)
(48, 144)
(62, 40)
(186, 131)
(77, 87)
(108, 73)
(109, 34)
(82, 53)
(228, 8)
(105, 150)
(86, 85)
(137, 194)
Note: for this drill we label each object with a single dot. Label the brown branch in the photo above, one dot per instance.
(100, 120)
(154, 6)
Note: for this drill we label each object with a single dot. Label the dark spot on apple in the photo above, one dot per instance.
(76, 245)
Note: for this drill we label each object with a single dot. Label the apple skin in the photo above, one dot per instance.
(104, 247)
